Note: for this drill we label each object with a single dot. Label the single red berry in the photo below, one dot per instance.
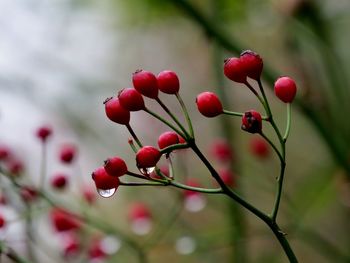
(131, 100)
(221, 150)
(28, 194)
(103, 180)
(252, 64)
(138, 211)
(167, 138)
(63, 220)
(89, 194)
(285, 89)
(43, 133)
(209, 104)
(2, 221)
(234, 70)
(227, 177)
(4, 152)
(147, 157)
(96, 251)
(259, 147)
(15, 166)
(59, 181)
(115, 112)
(181, 139)
(168, 82)
(67, 153)
(71, 246)
(252, 122)
(115, 166)
(146, 83)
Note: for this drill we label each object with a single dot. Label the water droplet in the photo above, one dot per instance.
(185, 245)
(106, 193)
(110, 244)
(195, 203)
(147, 171)
(141, 226)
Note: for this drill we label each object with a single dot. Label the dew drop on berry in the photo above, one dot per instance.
(106, 193)
(147, 171)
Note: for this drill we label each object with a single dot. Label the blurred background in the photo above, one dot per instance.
(59, 60)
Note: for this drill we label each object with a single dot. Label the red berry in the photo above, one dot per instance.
(2, 221)
(209, 104)
(43, 133)
(252, 64)
(4, 152)
(168, 82)
(221, 150)
(227, 177)
(259, 147)
(252, 122)
(67, 153)
(138, 211)
(234, 70)
(167, 138)
(59, 181)
(63, 220)
(15, 167)
(131, 100)
(115, 112)
(71, 246)
(181, 139)
(115, 166)
(147, 157)
(285, 89)
(96, 251)
(103, 180)
(146, 83)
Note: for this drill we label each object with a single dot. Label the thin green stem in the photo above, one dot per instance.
(174, 147)
(141, 184)
(166, 109)
(185, 111)
(155, 115)
(279, 192)
(280, 156)
(254, 92)
(241, 114)
(133, 134)
(196, 189)
(289, 117)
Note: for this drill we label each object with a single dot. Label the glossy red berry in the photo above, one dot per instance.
(131, 100)
(167, 138)
(115, 112)
(252, 64)
(259, 147)
(67, 153)
(138, 211)
(43, 133)
(234, 70)
(103, 180)
(285, 89)
(221, 150)
(146, 83)
(115, 166)
(168, 82)
(252, 122)
(147, 157)
(2, 221)
(63, 220)
(209, 104)
(59, 181)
